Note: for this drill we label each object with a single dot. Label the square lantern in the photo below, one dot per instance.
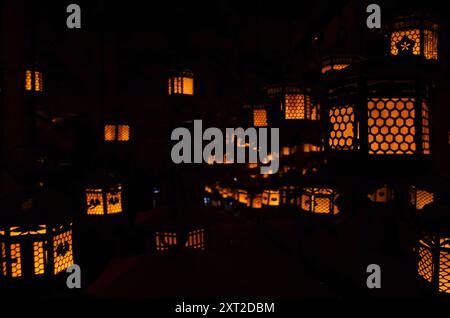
(419, 198)
(33, 81)
(319, 201)
(241, 196)
(290, 196)
(414, 36)
(116, 132)
(181, 83)
(259, 116)
(255, 202)
(271, 198)
(104, 200)
(433, 261)
(379, 117)
(337, 63)
(383, 194)
(165, 240)
(35, 250)
(294, 102)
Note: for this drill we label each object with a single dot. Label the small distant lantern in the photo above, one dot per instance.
(271, 198)
(255, 201)
(259, 116)
(307, 147)
(181, 83)
(33, 81)
(319, 201)
(419, 198)
(104, 200)
(117, 132)
(241, 196)
(383, 194)
(392, 118)
(290, 196)
(167, 240)
(414, 36)
(295, 102)
(337, 63)
(433, 261)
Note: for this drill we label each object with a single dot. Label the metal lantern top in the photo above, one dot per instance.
(338, 62)
(414, 36)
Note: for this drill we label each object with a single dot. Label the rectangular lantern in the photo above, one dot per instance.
(167, 240)
(35, 250)
(115, 132)
(383, 194)
(380, 117)
(104, 201)
(419, 198)
(414, 36)
(255, 202)
(181, 83)
(259, 117)
(271, 198)
(33, 81)
(433, 261)
(294, 102)
(319, 200)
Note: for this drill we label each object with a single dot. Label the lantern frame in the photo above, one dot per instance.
(181, 83)
(170, 236)
(101, 198)
(310, 194)
(116, 132)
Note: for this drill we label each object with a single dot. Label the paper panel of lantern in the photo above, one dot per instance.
(35, 250)
(414, 36)
(419, 198)
(34, 81)
(104, 201)
(433, 262)
(383, 194)
(319, 200)
(295, 103)
(384, 124)
(181, 83)
(117, 132)
(271, 198)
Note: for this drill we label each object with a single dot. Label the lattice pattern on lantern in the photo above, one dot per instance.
(391, 126)
(296, 106)
(425, 265)
(196, 239)
(117, 132)
(19, 231)
(3, 270)
(62, 251)
(94, 199)
(114, 200)
(39, 257)
(444, 271)
(342, 134)
(381, 195)
(271, 197)
(425, 129)
(164, 240)
(16, 260)
(38, 82)
(319, 200)
(259, 118)
(315, 111)
(412, 35)
(181, 85)
(420, 198)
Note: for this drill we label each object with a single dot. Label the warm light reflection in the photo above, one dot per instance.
(319, 200)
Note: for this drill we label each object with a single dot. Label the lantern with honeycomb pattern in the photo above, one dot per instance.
(415, 36)
(420, 197)
(382, 118)
(117, 133)
(319, 200)
(293, 102)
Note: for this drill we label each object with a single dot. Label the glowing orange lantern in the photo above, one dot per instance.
(319, 200)
(117, 132)
(104, 200)
(181, 83)
(33, 81)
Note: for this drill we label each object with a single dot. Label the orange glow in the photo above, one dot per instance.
(114, 200)
(181, 85)
(196, 239)
(318, 200)
(62, 251)
(38, 82)
(117, 132)
(16, 260)
(381, 195)
(342, 120)
(335, 67)
(271, 197)
(38, 255)
(296, 106)
(426, 267)
(18, 231)
(94, 199)
(164, 240)
(259, 118)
